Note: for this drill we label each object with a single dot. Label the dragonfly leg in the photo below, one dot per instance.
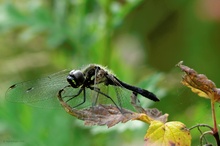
(98, 91)
(84, 98)
(79, 92)
(96, 98)
(71, 97)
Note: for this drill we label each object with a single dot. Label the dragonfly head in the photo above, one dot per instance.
(75, 78)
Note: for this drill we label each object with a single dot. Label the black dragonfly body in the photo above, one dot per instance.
(75, 87)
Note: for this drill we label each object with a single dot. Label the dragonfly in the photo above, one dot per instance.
(79, 88)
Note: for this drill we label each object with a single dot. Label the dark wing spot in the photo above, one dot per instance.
(29, 89)
(12, 86)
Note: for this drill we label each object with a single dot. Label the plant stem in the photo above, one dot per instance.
(215, 128)
(216, 135)
(201, 125)
(203, 137)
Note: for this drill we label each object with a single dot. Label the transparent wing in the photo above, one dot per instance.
(85, 98)
(121, 95)
(41, 92)
(116, 94)
(78, 98)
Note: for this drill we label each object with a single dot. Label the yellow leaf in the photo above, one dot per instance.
(167, 134)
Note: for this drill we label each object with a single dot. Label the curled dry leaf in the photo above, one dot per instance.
(199, 83)
(110, 115)
(204, 87)
(167, 134)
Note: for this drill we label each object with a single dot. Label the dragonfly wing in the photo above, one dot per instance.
(121, 95)
(41, 92)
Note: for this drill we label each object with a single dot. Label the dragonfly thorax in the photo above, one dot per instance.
(76, 78)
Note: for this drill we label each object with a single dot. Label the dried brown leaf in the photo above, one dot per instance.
(110, 115)
(199, 83)
(105, 115)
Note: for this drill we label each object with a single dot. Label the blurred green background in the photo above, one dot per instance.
(141, 41)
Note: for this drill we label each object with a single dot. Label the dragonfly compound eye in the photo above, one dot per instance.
(76, 78)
